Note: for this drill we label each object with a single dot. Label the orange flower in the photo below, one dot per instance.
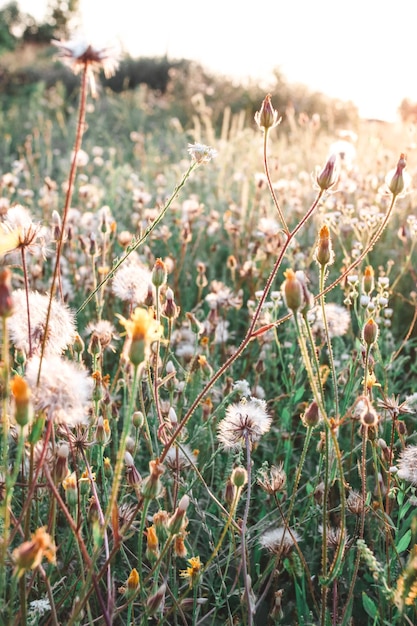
(141, 330)
(30, 554)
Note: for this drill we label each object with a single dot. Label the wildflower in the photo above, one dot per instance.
(279, 540)
(151, 486)
(159, 273)
(133, 477)
(82, 56)
(334, 536)
(39, 607)
(324, 254)
(63, 392)
(179, 458)
(311, 416)
(155, 602)
(329, 175)
(293, 291)
(179, 545)
(61, 328)
(30, 553)
(274, 480)
(132, 585)
(368, 282)
(193, 571)
(267, 117)
(178, 521)
(355, 503)
(246, 420)
(406, 591)
(201, 153)
(239, 477)
(104, 332)
(29, 235)
(21, 394)
(131, 282)
(152, 544)
(398, 181)
(407, 465)
(141, 329)
(170, 309)
(9, 240)
(370, 332)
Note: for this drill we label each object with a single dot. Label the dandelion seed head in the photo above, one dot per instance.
(64, 389)
(279, 541)
(338, 319)
(61, 327)
(247, 419)
(131, 283)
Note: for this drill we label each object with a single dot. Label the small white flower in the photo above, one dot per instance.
(279, 540)
(201, 153)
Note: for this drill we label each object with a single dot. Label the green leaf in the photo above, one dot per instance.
(369, 606)
(404, 542)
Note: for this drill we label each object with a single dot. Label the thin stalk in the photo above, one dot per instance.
(271, 188)
(68, 198)
(244, 525)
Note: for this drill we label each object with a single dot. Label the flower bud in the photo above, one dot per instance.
(159, 273)
(324, 253)
(267, 116)
(311, 416)
(178, 521)
(21, 394)
(156, 601)
(368, 282)
(370, 332)
(398, 181)
(151, 486)
(293, 291)
(239, 477)
(132, 585)
(328, 176)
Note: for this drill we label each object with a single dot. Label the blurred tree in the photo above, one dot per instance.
(63, 17)
(10, 27)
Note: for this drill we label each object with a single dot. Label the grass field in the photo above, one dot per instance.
(208, 365)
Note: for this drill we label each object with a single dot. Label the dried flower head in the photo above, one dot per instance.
(272, 480)
(337, 316)
(61, 327)
(64, 389)
(245, 421)
(81, 55)
(131, 282)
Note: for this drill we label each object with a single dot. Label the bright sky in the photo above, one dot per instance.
(360, 50)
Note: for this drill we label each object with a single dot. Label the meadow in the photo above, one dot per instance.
(208, 378)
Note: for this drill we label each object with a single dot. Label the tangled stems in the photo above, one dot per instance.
(250, 334)
(142, 238)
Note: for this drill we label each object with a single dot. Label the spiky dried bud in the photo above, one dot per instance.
(267, 117)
